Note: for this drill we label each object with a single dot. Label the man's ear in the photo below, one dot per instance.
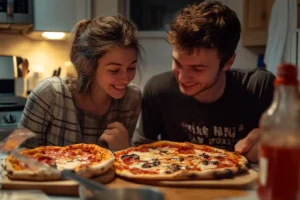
(229, 63)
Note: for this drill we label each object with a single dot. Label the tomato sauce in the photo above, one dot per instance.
(141, 171)
(279, 173)
(186, 150)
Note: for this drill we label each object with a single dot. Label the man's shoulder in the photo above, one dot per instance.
(256, 76)
(163, 82)
(258, 72)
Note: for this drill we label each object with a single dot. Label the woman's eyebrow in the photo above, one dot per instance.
(119, 64)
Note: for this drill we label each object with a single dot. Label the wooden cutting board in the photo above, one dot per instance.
(242, 181)
(63, 187)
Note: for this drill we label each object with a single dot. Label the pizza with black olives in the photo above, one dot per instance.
(166, 160)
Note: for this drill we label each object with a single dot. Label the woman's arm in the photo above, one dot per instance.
(37, 113)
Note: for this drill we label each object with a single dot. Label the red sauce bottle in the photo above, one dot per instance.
(279, 155)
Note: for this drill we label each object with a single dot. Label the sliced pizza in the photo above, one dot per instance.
(86, 160)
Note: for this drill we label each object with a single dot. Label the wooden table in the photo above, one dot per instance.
(176, 193)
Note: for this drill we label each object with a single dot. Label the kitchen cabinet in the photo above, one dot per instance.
(105, 7)
(58, 15)
(256, 21)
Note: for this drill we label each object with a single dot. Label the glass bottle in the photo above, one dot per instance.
(279, 152)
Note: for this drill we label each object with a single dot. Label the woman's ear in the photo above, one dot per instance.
(229, 63)
(85, 67)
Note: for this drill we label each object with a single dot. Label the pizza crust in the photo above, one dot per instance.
(98, 169)
(38, 175)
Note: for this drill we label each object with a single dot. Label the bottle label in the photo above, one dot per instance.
(263, 167)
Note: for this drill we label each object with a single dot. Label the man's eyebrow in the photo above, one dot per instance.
(198, 65)
(119, 64)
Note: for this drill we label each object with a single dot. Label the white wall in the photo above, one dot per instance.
(104, 7)
(42, 54)
(245, 58)
(157, 57)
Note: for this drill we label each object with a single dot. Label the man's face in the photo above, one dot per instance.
(197, 73)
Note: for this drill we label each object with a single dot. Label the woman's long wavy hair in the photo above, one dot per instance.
(93, 38)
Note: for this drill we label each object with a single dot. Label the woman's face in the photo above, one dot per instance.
(114, 72)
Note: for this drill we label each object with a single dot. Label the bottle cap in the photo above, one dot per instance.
(286, 75)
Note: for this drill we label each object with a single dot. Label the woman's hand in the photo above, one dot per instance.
(116, 136)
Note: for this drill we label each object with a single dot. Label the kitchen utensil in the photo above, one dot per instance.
(14, 140)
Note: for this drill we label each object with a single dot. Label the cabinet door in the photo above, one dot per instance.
(255, 23)
(60, 15)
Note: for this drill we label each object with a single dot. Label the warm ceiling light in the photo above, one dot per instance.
(53, 35)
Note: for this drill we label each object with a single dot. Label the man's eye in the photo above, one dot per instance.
(198, 69)
(131, 69)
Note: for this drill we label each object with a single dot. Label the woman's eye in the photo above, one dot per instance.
(114, 71)
(131, 69)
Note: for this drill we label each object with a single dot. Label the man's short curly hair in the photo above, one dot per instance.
(206, 25)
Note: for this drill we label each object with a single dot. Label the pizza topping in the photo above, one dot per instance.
(152, 163)
(204, 155)
(180, 159)
(145, 149)
(174, 167)
(205, 162)
(163, 152)
(132, 156)
(129, 161)
(214, 162)
(186, 150)
(141, 171)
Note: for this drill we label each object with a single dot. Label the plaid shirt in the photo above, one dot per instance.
(51, 113)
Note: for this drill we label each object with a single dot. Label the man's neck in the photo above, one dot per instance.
(215, 92)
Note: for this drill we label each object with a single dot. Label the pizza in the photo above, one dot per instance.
(86, 160)
(165, 160)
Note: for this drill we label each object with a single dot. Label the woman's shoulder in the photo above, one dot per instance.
(52, 86)
(133, 91)
(133, 94)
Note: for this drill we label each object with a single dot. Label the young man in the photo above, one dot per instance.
(202, 100)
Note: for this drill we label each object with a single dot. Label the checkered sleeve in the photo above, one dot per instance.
(37, 113)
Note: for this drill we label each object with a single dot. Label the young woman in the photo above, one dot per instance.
(100, 106)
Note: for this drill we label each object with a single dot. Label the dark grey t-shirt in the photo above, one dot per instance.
(176, 117)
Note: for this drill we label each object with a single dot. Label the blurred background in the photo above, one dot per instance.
(34, 39)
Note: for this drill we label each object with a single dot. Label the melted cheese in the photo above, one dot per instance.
(67, 164)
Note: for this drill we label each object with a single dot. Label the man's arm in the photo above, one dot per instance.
(150, 123)
(262, 85)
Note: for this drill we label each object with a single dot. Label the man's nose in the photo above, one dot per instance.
(184, 76)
